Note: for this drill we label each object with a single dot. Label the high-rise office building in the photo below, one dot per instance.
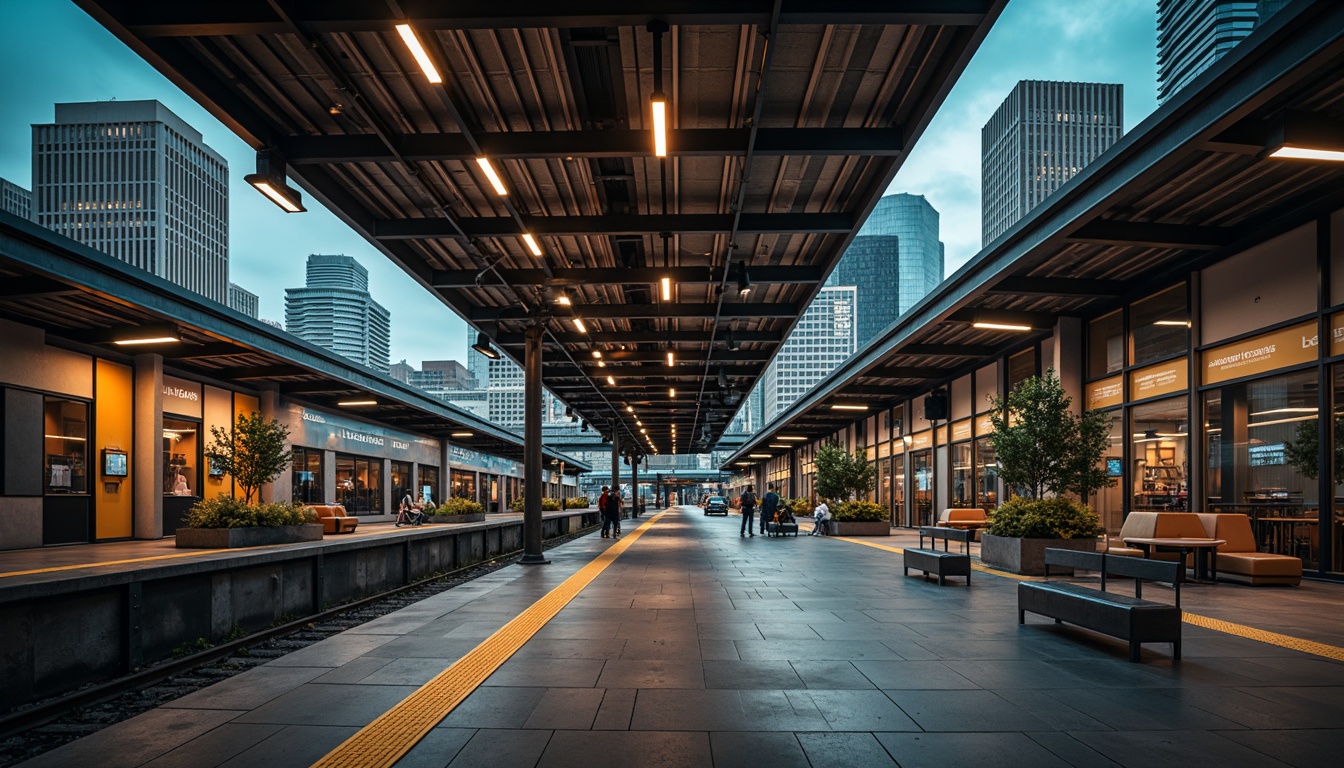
(334, 310)
(15, 199)
(894, 261)
(439, 377)
(750, 417)
(401, 371)
(823, 339)
(131, 179)
(1042, 135)
(502, 381)
(1193, 34)
(243, 300)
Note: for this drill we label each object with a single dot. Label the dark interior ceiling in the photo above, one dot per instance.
(1189, 186)
(788, 120)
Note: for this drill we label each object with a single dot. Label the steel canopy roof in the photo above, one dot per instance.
(788, 121)
(1188, 186)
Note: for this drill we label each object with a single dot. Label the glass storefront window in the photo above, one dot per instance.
(1108, 503)
(986, 475)
(1262, 442)
(464, 484)
(1159, 445)
(359, 484)
(921, 465)
(401, 482)
(181, 462)
(1336, 456)
(1105, 345)
(306, 474)
(963, 486)
(1159, 326)
(429, 483)
(65, 439)
(897, 488)
(1021, 367)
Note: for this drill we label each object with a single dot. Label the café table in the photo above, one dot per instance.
(1205, 552)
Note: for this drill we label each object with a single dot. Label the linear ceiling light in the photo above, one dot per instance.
(780, 445)
(671, 358)
(672, 393)
(667, 288)
(848, 407)
(1306, 136)
(490, 174)
(532, 244)
(597, 354)
(658, 107)
(461, 435)
(630, 408)
(1000, 327)
(269, 180)
(146, 334)
(792, 438)
(611, 380)
(354, 403)
(482, 345)
(578, 323)
(418, 51)
(1173, 323)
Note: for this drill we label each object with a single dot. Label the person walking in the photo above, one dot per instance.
(769, 506)
(611, 514)
(748, 501)
(820, 516)
(603, 507)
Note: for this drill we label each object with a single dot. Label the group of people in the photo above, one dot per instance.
(772, 511)
(609, 505)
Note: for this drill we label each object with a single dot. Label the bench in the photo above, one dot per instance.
(1132, 619)
(781, 529)
(334, 518)
(942, 563)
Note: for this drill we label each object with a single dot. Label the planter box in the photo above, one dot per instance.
(474, 517)
(232, 538)
(869, 528)
(1026, 556)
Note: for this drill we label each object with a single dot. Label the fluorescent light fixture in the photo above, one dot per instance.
(671, 358)
(562, 298)
(658, 107)
(638, 423)
(280, 193)
(147, 340)
(597, 354)
(126, 336)
(792, 438)
(460, 435)
(611, 380)
(667, 288)
(490, 174)
(645, 431)
(67, 437)
(780, 445)
(601, 363)
(1173, 323)
(758, 455)
(848, 407)
(482, 345)
(532, 244)
(418, 51)
(1307, 153)
(353, 403)
(578, 323)
(672, 392)
(742, 463)
(630, 408)
(1001, 327)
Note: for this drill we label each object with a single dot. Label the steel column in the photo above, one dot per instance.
(634, 486)
(532, 448)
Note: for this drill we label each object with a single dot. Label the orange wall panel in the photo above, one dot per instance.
(113, 416)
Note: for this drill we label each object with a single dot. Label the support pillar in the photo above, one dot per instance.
(634, 487)
(146, 462)
(615, 458)
(532, 554)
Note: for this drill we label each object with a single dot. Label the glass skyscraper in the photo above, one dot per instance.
(334, 310)
(823, 339)
(1193, 34)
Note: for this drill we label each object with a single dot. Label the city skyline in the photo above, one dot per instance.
(1111, 41)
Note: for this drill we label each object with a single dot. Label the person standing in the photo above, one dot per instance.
(748, 501)
(603, 509)
(769, 506)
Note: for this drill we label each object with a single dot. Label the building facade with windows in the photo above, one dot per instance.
(334, 310)
(244, 301)
(823, 339)
(133, 180)
(1042, 135)
(1193, 34)
(15, 199)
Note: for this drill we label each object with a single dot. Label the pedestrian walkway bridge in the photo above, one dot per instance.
(683, 644)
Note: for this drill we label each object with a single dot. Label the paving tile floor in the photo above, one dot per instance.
(697, 648)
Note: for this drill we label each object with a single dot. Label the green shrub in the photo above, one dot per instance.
(457, 506)
(860, 512)
(1055, 518)
(800, 507)
(576, 502)
(547, 505)
(228, 512)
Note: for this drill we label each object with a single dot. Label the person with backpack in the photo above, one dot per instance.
(769, 506)
(748, 502)
(610, 506)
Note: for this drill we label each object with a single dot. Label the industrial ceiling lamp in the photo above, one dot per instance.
(418, 51)
(743, 279)
(658, 101)
(729, 340)
(482, 345)
(723, 379)
(1305, 136)
(269, 180)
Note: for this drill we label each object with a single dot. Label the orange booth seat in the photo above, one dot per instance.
(971, 518)
(334, 519)
(1238, 559)
(1156, 525)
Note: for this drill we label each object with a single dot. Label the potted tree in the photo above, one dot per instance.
(253, 452)
(1044, 453)
(457, 510)
(844, 479)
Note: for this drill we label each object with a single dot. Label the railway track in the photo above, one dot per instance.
(44, 726)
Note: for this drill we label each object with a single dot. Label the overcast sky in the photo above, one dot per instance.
(50, 52)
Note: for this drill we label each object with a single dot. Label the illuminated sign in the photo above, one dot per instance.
(1266, 352)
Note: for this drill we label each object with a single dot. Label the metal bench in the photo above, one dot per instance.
(781, 529)
(1132, 619)
(942, 563)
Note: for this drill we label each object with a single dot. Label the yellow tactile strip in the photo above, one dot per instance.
(385, 740)
(1194, 619)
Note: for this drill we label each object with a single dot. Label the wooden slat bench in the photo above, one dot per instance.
(942, 563)
(1132, 619)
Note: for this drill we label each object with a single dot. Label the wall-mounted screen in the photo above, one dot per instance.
(1115, 467)
(115, 463)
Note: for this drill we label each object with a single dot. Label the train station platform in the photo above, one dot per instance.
(683, 644)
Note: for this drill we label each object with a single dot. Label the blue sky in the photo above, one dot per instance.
(52, 52)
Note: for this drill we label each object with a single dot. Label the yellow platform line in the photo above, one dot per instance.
(385, 740)
(1194, 619)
